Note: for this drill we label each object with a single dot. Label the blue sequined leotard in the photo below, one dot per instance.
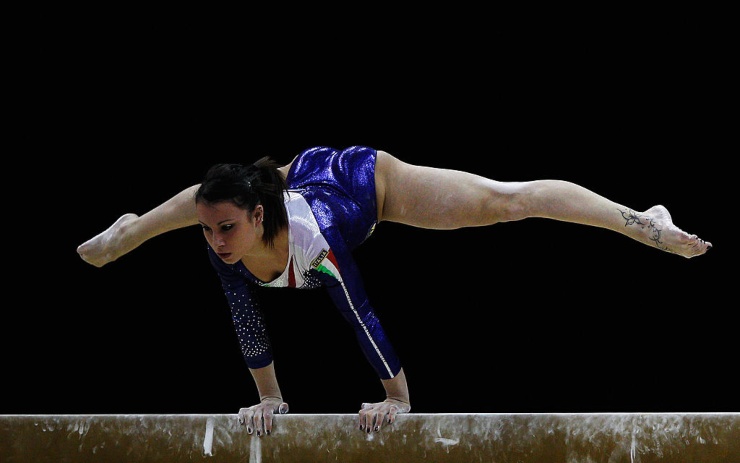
(332, 208)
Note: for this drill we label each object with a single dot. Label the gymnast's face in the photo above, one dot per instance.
(230, 230)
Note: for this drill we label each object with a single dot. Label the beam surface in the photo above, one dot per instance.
(521, 438)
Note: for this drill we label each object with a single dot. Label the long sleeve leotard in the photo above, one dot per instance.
(331, 207)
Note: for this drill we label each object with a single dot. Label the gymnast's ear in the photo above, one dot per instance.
(259, 213)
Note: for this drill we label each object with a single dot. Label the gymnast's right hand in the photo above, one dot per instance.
(259, 417)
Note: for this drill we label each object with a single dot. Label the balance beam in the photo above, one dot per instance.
(414, 437)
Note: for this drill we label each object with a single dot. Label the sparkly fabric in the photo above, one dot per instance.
(331, 206)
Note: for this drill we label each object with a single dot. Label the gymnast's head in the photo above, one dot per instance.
(242, 198)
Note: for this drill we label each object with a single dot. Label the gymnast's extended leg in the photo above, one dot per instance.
(436, 198)
(130, 230)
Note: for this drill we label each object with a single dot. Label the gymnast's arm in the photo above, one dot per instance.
(349, 295)
(251, 331)
(378, 350)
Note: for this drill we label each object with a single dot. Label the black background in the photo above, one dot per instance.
(533, 316)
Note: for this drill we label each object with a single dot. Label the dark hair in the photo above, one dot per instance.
(246, 187)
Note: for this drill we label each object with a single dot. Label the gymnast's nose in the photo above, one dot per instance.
(218, 240)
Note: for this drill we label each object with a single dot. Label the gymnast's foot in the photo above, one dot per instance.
(666, 236)
(108, 245)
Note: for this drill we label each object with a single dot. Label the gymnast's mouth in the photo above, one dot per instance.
(224, 255)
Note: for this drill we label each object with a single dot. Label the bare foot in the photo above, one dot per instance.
(666, 236)
(108, 245)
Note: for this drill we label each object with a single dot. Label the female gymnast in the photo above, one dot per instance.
(296, 226)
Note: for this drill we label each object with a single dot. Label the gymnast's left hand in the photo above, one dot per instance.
(374, 415)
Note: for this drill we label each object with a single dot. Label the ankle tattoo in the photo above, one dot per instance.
(633, 218)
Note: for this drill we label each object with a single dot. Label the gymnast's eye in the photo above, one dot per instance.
(227, 226)
(205, 228)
